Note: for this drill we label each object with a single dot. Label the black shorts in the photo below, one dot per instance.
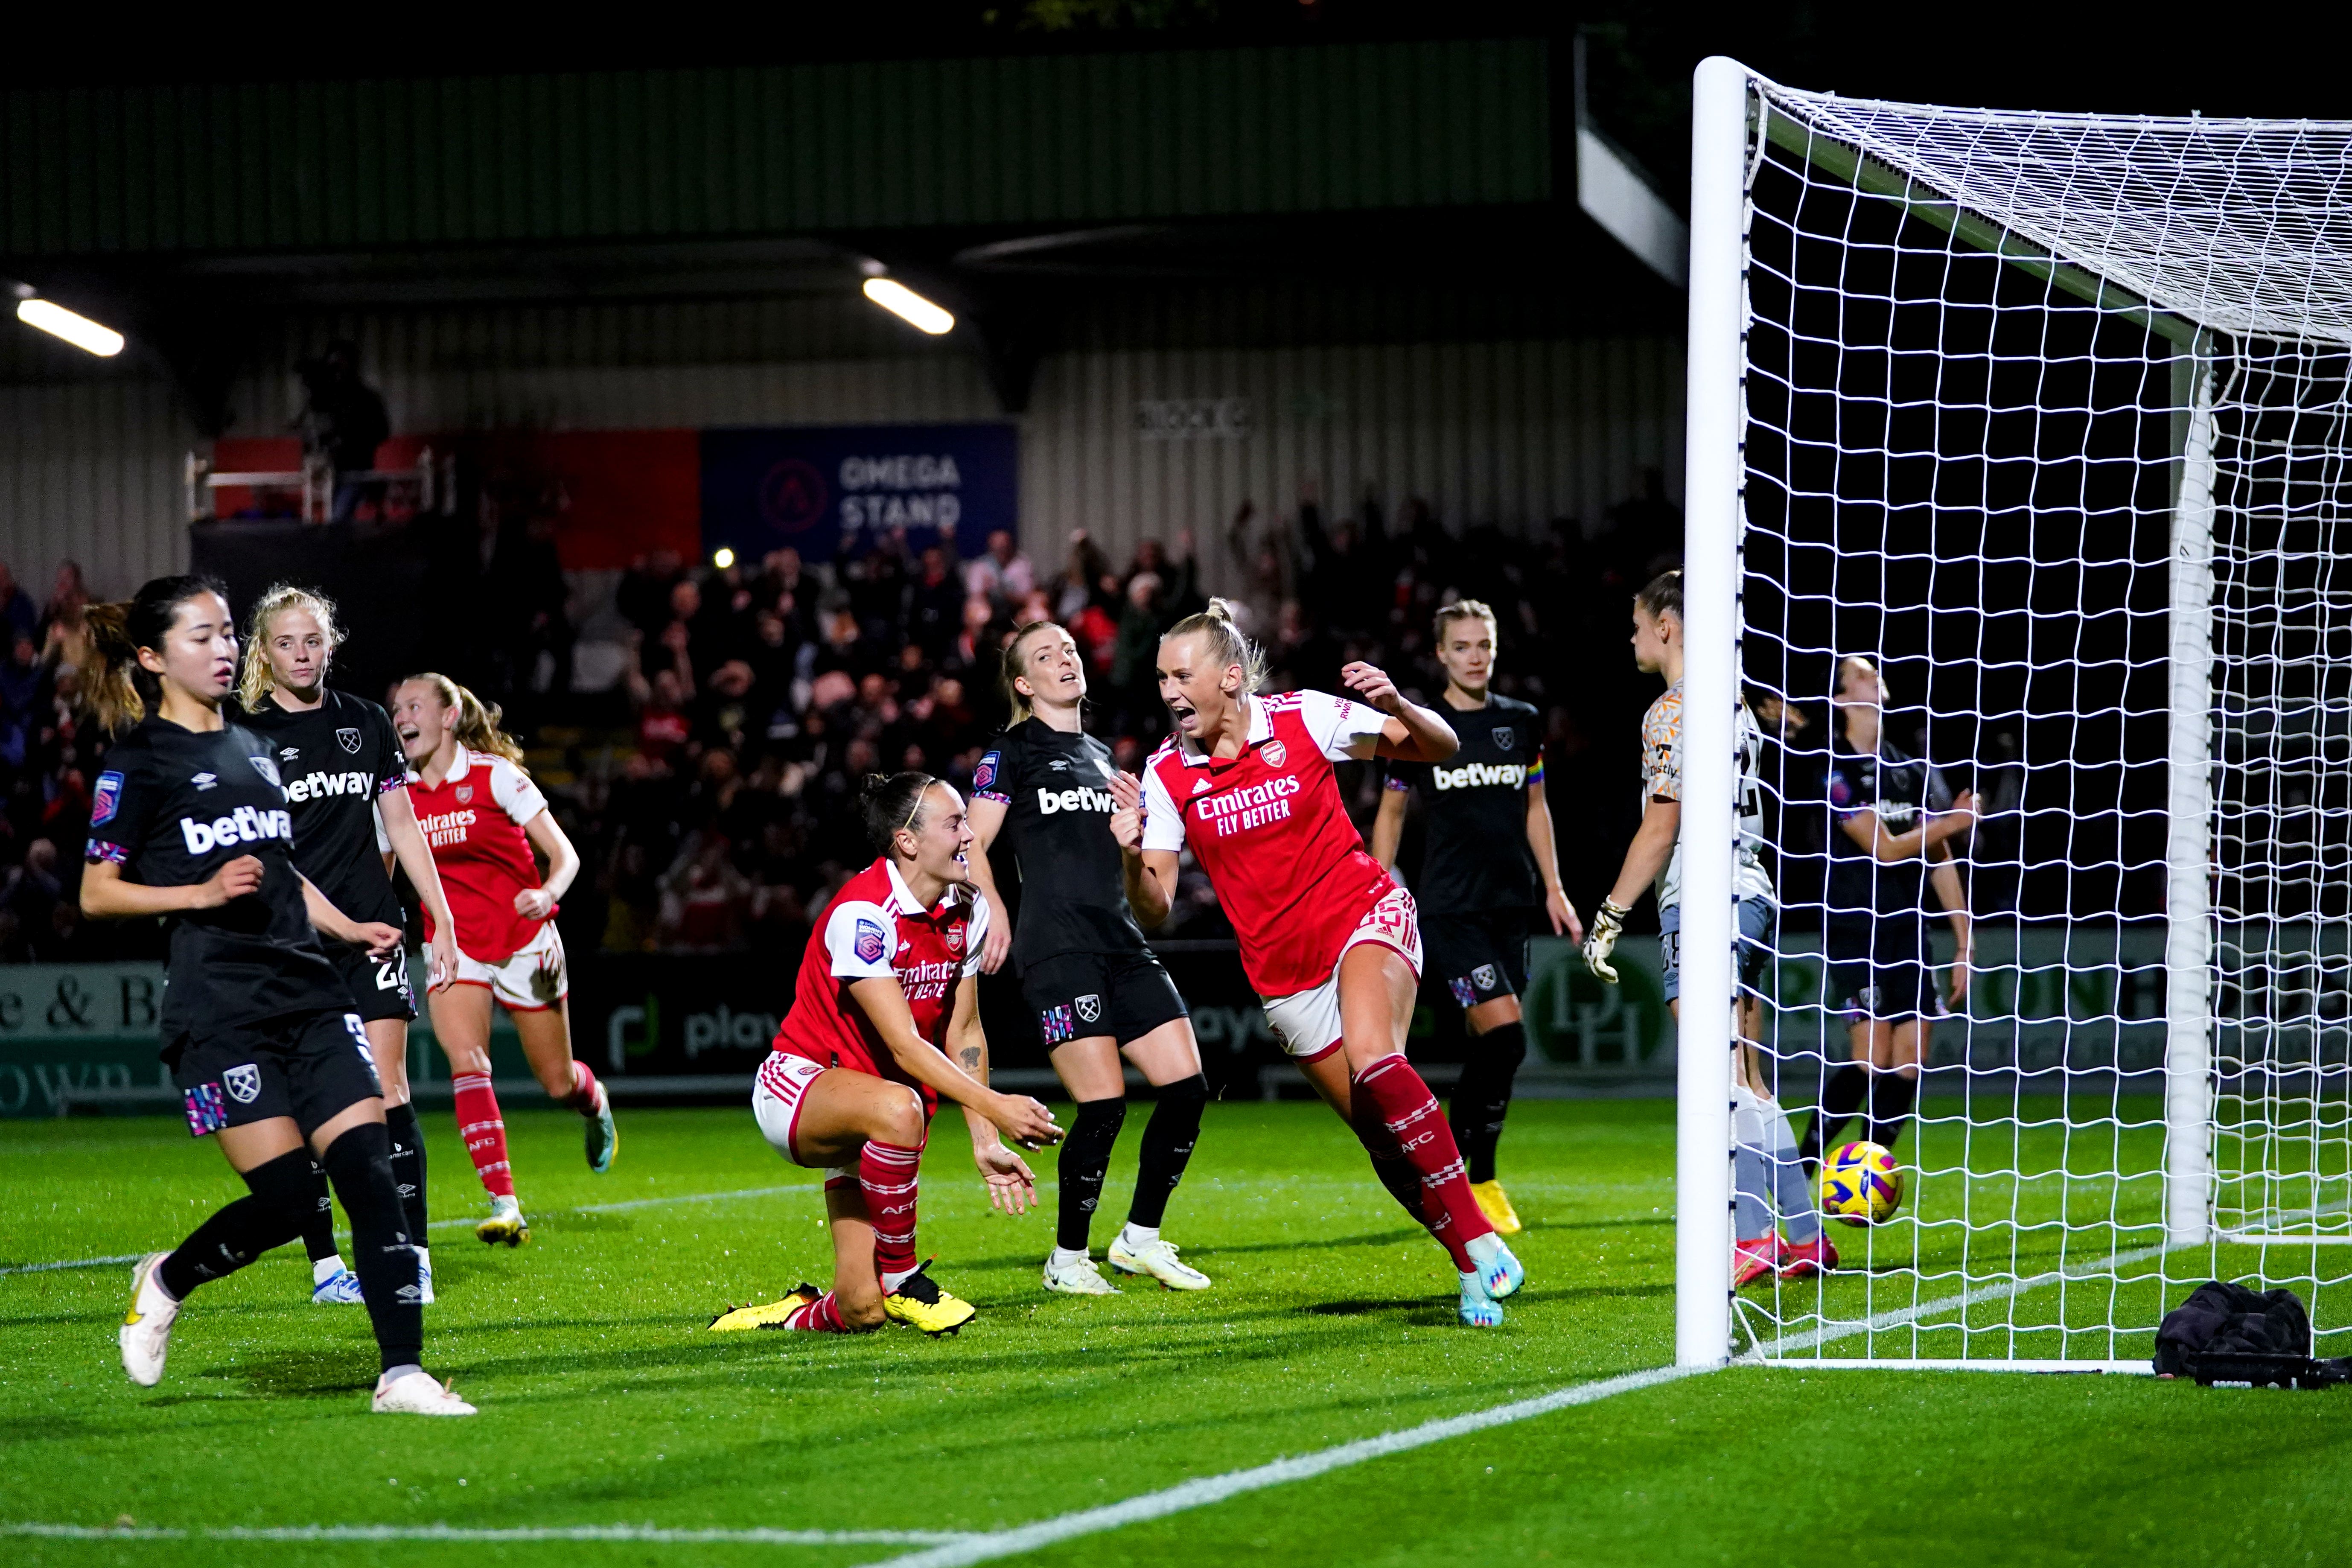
(1123, 995)
(311, 1067)
(1480, 955)
(1879, 969)
(379, 986)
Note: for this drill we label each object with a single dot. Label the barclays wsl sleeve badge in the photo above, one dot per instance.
(871, 943)
(106, 799)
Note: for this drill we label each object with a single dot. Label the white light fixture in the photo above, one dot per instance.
(722, 558)
(78, 331)
(908, 306)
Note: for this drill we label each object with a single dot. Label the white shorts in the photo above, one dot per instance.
(776, 1096)
(1308, 1022)
(531, 980)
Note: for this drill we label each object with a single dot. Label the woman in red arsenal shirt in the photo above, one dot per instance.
(482, 816)
(885, 1022)
(1328, 942)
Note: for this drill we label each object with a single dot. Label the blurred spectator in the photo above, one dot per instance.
(18, 615)
(644, 595)
(704, 900)
(1002, 576)
(344, 421)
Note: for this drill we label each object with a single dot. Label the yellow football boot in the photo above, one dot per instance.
(1496, 1207)
(506, 1224)
(921, 1304)
(772, 1316)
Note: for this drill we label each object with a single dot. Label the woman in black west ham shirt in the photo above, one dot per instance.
(1489, 878)
(1891, 820)
(1098, 991)
(347, 786)
(189, 821)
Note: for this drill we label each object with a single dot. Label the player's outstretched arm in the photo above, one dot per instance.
(885, 1006)
(105, 895)
(985, 818)
(415, 858)
(1413, 733)
(1012, 1187)
(1150, 874)
(378, 937)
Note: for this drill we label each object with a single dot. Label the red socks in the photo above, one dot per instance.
(485, 1133)
(586, 1092)
(822, 1316)
(1394, 1113)
(886, 1172)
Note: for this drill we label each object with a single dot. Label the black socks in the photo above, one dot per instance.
(282, 1198)
(1168, 1141)
(1482, 1097)
(1842, 1096)
(408, 1165)
(1891, 1096)
(1085, 1160)
(360, 1165)
(319, 1230)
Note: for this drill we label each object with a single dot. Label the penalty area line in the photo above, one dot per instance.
(1210, 1489)
(621, 1207)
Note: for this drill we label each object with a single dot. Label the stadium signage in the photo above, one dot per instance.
(831, 490)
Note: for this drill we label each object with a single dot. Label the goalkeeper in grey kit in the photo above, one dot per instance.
(1766, 1170)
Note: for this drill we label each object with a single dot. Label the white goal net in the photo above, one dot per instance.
(2049, 418)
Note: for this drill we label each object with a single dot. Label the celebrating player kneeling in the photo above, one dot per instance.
(1328, 942)
(884, 1021)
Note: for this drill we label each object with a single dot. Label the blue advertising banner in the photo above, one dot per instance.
(828, 491)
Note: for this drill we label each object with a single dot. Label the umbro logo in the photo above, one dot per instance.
(204, 780)
(288, 753)
(1057, 765)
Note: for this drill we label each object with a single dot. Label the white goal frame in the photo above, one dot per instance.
(1724, 150)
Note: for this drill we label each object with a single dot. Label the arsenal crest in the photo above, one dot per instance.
(1504, 737)
(350, 740)
(1274, 752)
(955, 939)
(465, 794)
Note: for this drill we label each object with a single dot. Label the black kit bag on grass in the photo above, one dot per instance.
(2228, 1336)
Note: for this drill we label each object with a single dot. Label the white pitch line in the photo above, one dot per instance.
(642, 1532)
(1210, 1489)
(466, 1224)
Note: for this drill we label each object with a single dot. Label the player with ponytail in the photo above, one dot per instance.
(190, 821)
(1097, 992)
(885, 1024)
(482, 818)
(1329, 942)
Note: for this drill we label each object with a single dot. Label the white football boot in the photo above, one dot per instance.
(418, 1394)
(1155, 1258)
(1076, 1275)
(424, 1275)
(332, 1285)
(147, 1327)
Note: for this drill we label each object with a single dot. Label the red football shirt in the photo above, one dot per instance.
(473, 823)
(1270, 830)
(873, 927)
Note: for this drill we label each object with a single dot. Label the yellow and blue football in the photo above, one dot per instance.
(1861, 1184)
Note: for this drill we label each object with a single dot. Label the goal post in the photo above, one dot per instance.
(2049, 418)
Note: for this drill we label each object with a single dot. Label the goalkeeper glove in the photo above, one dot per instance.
(1607, 926)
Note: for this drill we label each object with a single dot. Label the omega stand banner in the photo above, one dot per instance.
(828, 489)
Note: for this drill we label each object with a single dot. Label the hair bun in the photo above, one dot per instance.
(1220, 609)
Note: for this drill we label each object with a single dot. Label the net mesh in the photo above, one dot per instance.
(1974, 344)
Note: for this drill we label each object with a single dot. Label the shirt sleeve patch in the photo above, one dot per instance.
(1535, 770)
(106, 799)
(984, 777)
(100, 850)
(1840, 792)
(1397, 782)
(871, 943)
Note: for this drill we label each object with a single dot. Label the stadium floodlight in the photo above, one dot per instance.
(80, 331)
(908, 306)
(723, 557)
(2047, 414)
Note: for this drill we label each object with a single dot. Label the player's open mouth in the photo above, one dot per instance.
(1183, 715)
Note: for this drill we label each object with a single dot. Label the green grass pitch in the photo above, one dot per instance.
(604, 1400)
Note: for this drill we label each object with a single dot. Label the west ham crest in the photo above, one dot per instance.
(350, 740)
(1505, 737)
(1090, 1007)
(242, 1083)
(265, 767)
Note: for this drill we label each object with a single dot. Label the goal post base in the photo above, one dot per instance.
(1855, 1364)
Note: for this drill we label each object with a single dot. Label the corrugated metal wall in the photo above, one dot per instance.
(1515, 434)
(772, 149)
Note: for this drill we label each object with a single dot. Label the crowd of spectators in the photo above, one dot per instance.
(714, 803)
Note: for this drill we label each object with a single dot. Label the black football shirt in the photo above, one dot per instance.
(335, 760)
(1475, 856)
(173, 806)
(1900, 789)
(1055, 789)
